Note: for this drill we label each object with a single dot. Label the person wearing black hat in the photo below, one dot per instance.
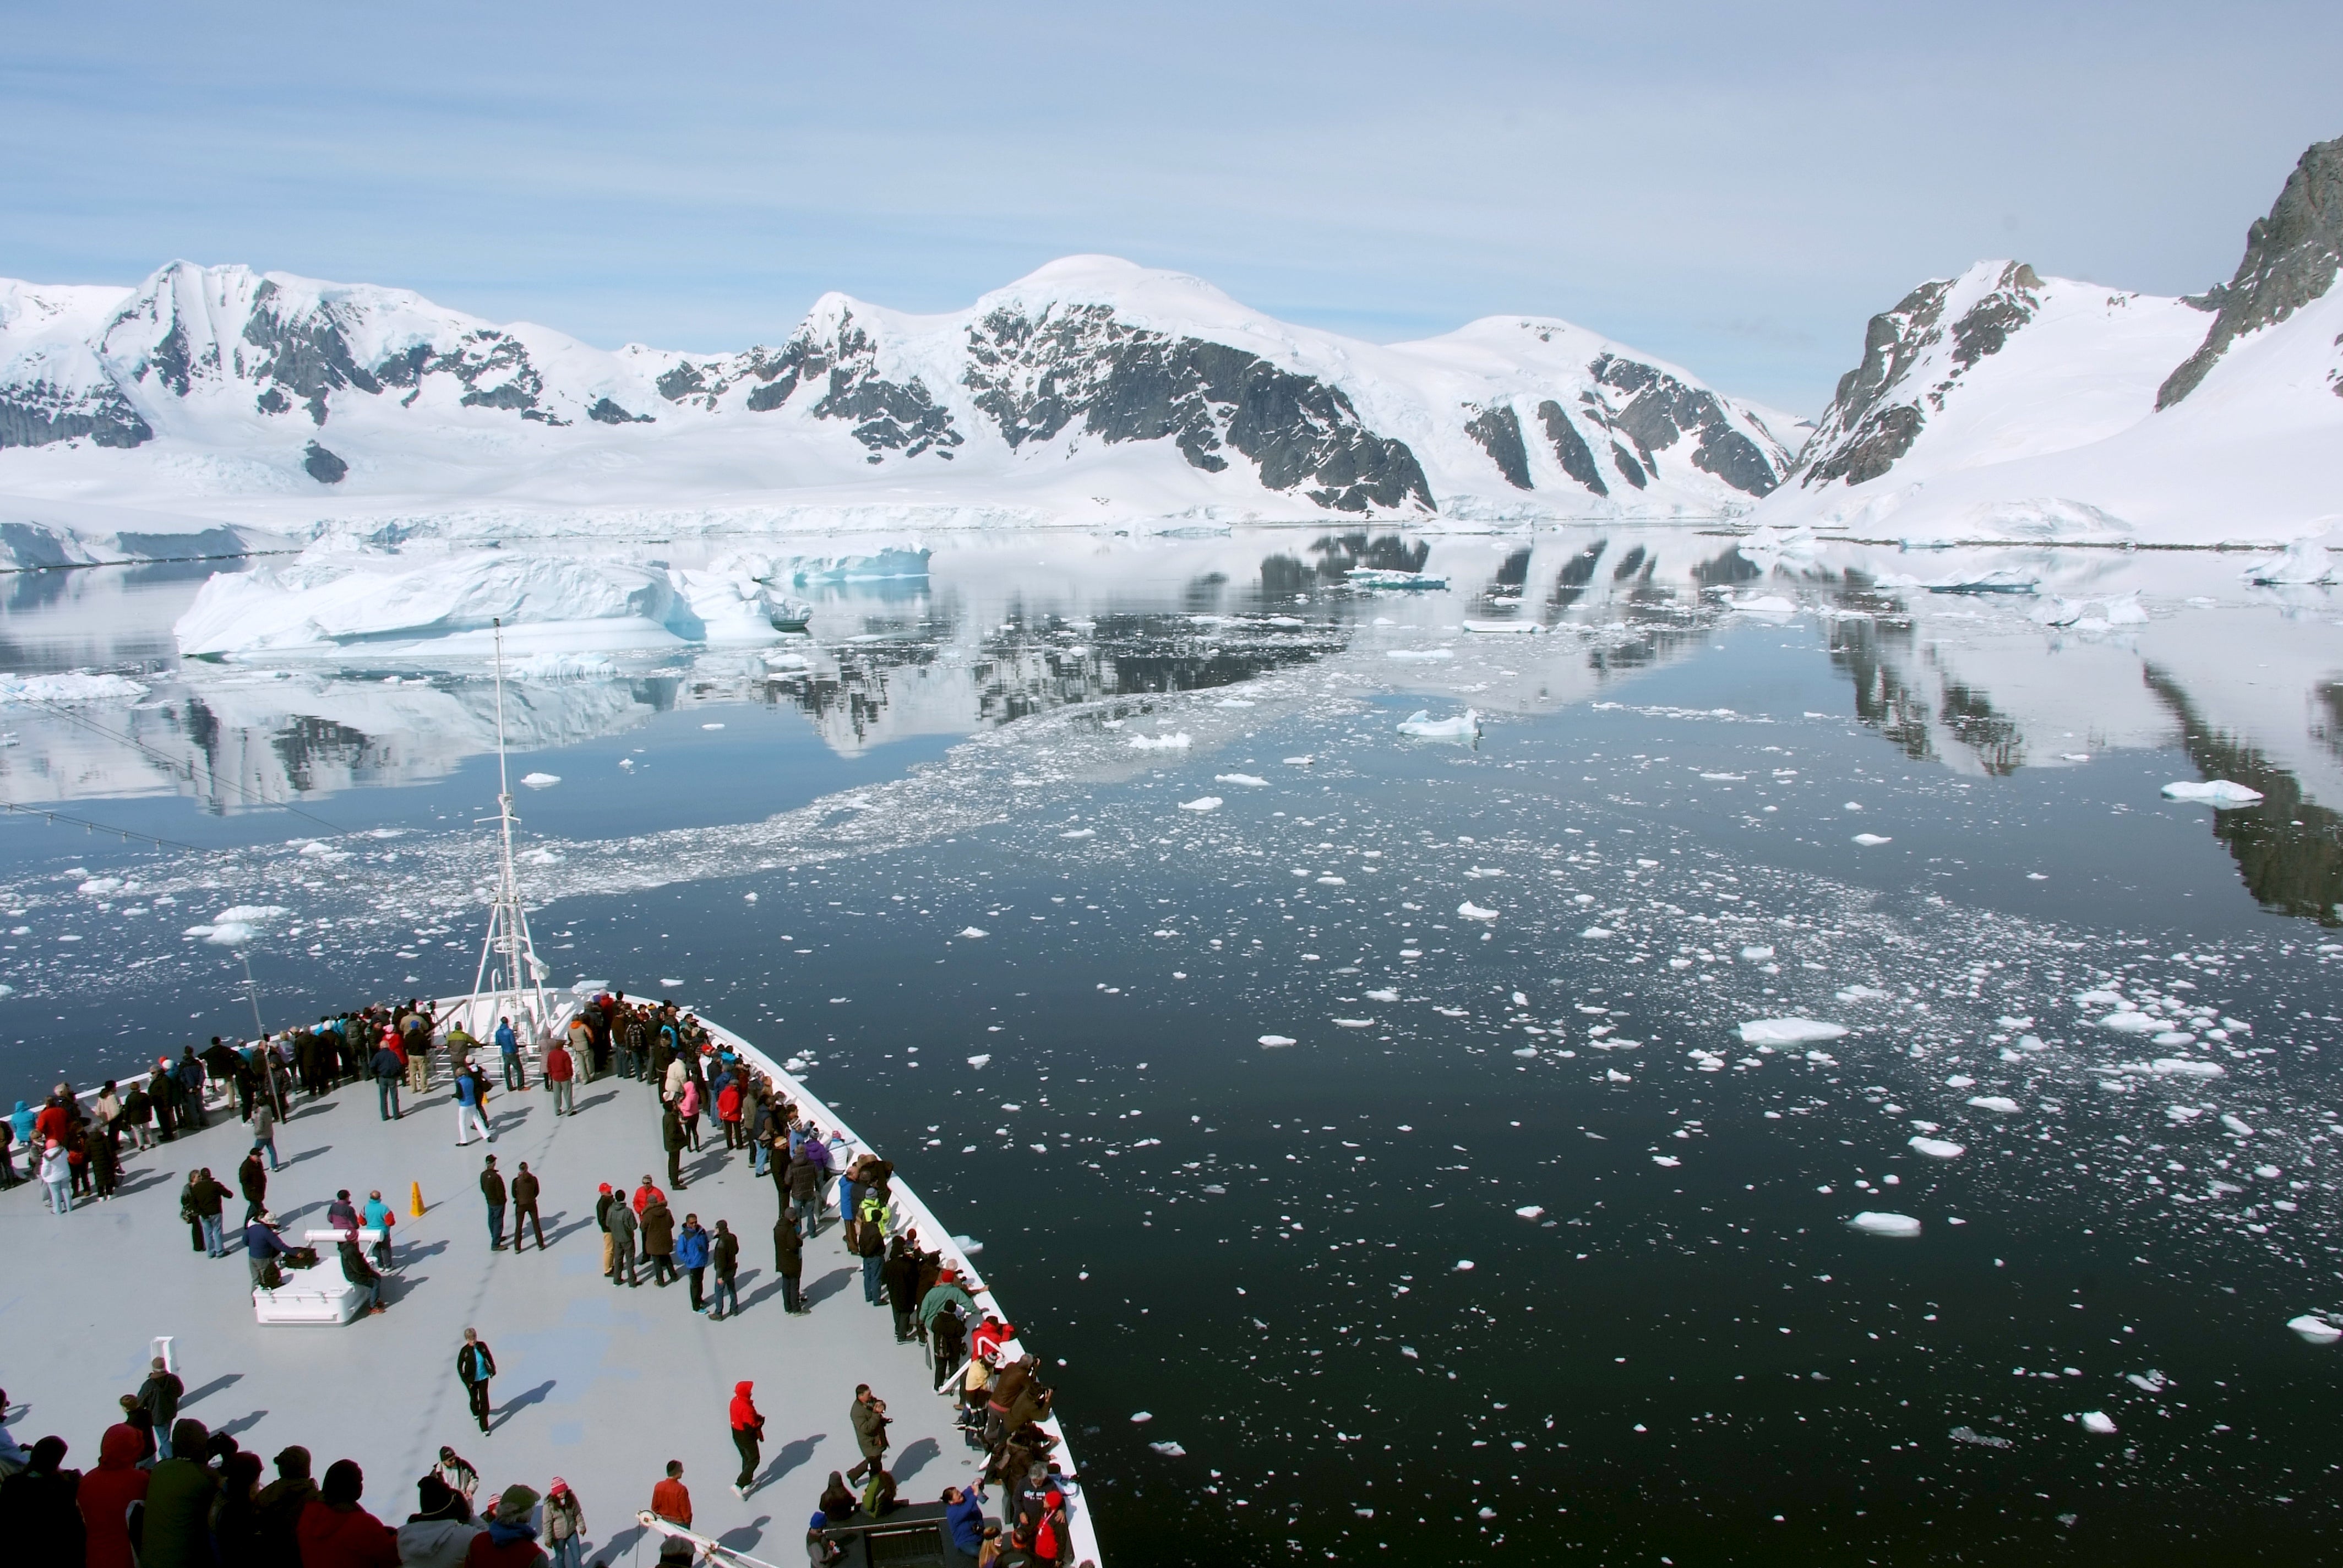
(281, 1504)
(439, 1532)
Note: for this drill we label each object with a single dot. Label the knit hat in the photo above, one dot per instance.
(513, 1507)
(558, 1488)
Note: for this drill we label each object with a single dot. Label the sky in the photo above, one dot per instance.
(1735, 187)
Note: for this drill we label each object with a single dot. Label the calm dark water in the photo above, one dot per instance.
(1683, 1353)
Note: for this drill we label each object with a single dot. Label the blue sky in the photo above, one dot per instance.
(1733, 186)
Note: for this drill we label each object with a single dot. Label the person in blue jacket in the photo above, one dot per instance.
(691, 1255)
(964, 1518)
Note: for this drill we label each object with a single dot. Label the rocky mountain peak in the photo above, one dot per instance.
(2291, 258)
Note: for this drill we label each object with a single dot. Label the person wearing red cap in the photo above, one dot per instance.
(565, 1525)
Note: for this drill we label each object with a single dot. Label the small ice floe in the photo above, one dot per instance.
(1936, 1148)
(2001, 1103)
(1668, 1161)
(1982, 1440)
(2317, 1330)
(540, 780)
(1762, 604)
(1384, 995)
(1614, 1076)
(748, 897)
(1079, 833)
(1756, 955)
(1725, 778)
(2184, 1067)
(1391, 577)
(1247, 779)
(1201, 803)
(1169, 1449)
(1421, 726)
(1418, 654)
(670, 981)
(2097, 1422)
(2236, 1126)
(1527, 1050)
(2090, 615)
(1299, 761)
(1595, 933)
(1789, 1031)
(1142, 1417)
(1862, 993)
(2218, 793)
(1463, 1265)
(1179, 742)
(2304, 563)
(1531, 1211)
(712, 726)
(1272, 1041)
(1869, 840)
(1354, 1023)
(229, 934)
(2149, 1381)
(979, 1059)
(1503, 627)
(974, 932)
(1470, 911)
(1236, 702)
(1872, 1223)
(2129, 1020)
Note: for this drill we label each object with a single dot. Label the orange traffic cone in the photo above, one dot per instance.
(415, 1201)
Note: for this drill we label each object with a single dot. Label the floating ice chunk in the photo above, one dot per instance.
(1236, 702)
(542, 857)
(670, 981)
(979, 1059)
(1936, 1148)
(748, 897)
(1247, 779)
(1756, 955)
(2001, 1103)
(1615, 1076)
(1169, 1449)
(1789, 1031)
(1272, 1041)
(1421, 726)
(1762, 604)
(2182, 1066)
(712, 726)
(1418, 654)
(1354, 1023)
(1863, 993)
(1299, 761)
(1872, 1223)
(1869, 840)
(1969, 1435)
(2129, 1021)
(98, 885)
(252, 914)
(1179, 742)
(74, 686)
(2315, 1329)
(1503, 627)
(1527, 1050)
(2174, 1037)
(2303, 563)
(2149, 1381)
(2098, 1421)
(1531, 1211)
(1463, 1265)
(1384, 995)
(1079, 833)
(229, 934)
(2236, 1126)
(540, 780)
(1470, 911)
(2101, 998)
(1670, 1161)
(1725, 778)
(974, 933)
(1595, 933)
(2218, 793)
(1960, 1080)
(1142, 1417)
(1201, 803)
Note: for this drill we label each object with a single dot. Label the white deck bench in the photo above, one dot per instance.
(319, 1296)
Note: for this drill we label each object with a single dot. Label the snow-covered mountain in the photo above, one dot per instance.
(1092, 390)
(2002, 405)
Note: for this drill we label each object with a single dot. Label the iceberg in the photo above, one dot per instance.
(1789, 1031)
(1872, 1223)
(2218, 793)
(73, 686)
(2302, 563)
(1936, 1148)
(2315, 1329)
(1762, 604)
(1201, 803)
(1470, 911)
(1421, 726)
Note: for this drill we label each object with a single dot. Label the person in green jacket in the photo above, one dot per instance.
(179, 1497)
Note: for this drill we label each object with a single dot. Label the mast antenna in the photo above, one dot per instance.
(510, 981)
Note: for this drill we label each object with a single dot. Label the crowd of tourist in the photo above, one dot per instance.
(186, 1495)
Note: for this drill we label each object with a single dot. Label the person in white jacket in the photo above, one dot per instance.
(57, 1175)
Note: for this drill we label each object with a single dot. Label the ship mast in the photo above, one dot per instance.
(501, 982)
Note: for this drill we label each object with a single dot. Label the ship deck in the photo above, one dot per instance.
(597, 1385)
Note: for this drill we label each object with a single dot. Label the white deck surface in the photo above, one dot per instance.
(599, 1386)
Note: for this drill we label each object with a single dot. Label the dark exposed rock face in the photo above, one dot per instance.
(323, 466)
(40, 412)
(887, 416)
(1654, 410)
(1879, 410)
(303, 355)
(2291, 258)
(1570, 448)
(606, 412)
(1081, 362)
(1499, 432)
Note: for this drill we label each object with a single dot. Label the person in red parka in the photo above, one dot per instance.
(335, 1533)
(108, 1492)
(561, 1076)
